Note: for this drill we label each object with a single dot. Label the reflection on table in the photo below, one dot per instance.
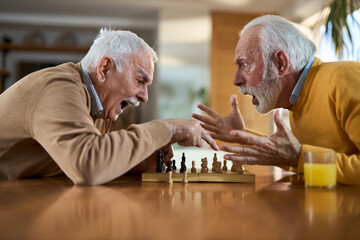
(129, 209)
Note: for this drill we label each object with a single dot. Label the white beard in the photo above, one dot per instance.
(266, 92)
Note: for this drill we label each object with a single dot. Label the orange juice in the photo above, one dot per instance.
(320, 175)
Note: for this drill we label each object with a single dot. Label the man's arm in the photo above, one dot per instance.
(60, 122)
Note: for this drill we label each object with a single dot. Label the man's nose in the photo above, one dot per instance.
(143, 95)
(238, 78)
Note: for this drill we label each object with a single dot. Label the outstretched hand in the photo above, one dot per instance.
(282, 148)
(188, 132)
(220, 126)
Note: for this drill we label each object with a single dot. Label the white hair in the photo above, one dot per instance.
(277, 33)
(116, 44)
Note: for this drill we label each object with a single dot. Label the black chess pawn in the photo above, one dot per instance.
(160, 162)
(173, 164)
(183, 166)
(169, 166)
(163, 166)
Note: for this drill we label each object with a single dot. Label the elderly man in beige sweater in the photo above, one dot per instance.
(57, 120)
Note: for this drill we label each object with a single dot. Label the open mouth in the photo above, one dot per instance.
(254, 101)
(124, 104)
(129, 101)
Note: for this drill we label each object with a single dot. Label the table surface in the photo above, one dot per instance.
(126, 208)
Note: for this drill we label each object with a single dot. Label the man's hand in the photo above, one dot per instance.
(220, 126)
(168, 151)
(281, 149)
(188, 132)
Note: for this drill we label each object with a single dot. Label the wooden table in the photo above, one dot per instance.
(126, 208)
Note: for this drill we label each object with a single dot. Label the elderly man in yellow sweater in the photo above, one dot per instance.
(276, 66)
(57, 120)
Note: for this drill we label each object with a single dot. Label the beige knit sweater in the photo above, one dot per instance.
(46, 129)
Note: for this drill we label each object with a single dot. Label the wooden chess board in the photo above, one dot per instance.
(224, 176)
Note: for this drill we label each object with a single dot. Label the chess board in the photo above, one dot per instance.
(224, 176)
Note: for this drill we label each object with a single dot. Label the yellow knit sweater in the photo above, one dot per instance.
(327, 115)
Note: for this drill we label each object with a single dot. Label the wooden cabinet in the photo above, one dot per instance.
(6, 48)
(14, 47)
(225, 28)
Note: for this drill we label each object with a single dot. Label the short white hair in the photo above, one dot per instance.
(116, 44)
(277, 33)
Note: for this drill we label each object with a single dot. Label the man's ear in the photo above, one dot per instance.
(281, 60)
(103, 68)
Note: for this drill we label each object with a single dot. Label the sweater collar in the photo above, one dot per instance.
(97, 109)
(300, 83)
(307, 83)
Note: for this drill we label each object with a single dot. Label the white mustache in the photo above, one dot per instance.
(246, 90)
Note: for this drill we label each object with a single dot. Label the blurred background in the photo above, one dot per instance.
(194, 39)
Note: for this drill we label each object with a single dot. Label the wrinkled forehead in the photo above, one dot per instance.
(249, 43)
(142, 61)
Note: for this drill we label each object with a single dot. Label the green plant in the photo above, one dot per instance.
(336, 22)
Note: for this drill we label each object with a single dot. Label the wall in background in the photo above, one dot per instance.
(184, 69)
(225, 28)
(21, 62)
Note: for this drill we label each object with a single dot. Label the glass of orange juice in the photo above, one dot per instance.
(320, 169)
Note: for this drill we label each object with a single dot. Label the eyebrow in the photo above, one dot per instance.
(237, 61)
(144, 75)
(240, 60)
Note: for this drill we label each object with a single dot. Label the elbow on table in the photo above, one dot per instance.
(91, 172)
(87, 177)
(86, 180)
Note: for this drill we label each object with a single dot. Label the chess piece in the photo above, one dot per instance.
(218, 167)
(185, 180)
(240, 168)
(170, 178)
(193, 169)
(204, 168)
(160, 162)
(183, 166)
(214, 165)
(173, 164)
(234, 167)
(225, 167)
(169, 166)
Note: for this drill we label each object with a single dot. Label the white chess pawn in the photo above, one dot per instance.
(240, 168)
(193, 169)
(225, 167)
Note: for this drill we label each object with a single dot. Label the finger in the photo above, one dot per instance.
(204, 119)
(225, 138)
(240, 149)
(250, 151)
(249, 137)
(209, 127)
(242, 159)
(208, 110)
(234, 103)
(279, 123)
(247, 160)
(169, 154)
(206, 136)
